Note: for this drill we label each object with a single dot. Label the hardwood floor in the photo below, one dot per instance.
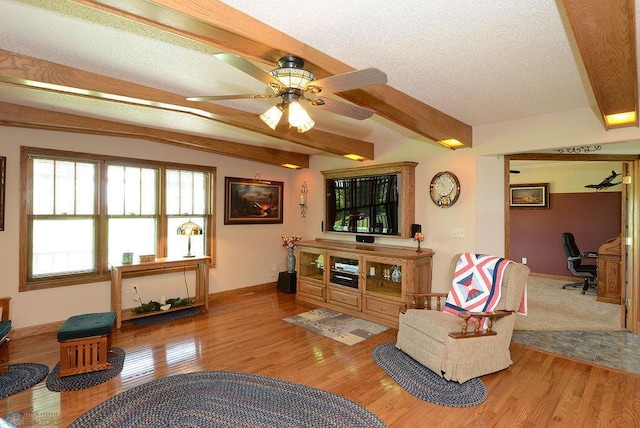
(247, 334)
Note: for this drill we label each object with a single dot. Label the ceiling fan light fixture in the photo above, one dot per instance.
(272, 116)
(293, 77)
(291, 73)
(299, 118)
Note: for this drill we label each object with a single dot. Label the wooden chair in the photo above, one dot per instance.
(445, 344)
(5, 328)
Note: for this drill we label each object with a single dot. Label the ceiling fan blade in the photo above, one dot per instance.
(344, 109)
(252, 70)
(229, 97)
(347, 81)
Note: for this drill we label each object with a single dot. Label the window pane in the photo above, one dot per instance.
(148, 205)
(177, 245)
(186, 192)
(115, 190)
(61, 246)
(42, 186)
(173, 192)
(199, 193)
(136, 235)
(85, 188)
(65, 187)
(131, 191)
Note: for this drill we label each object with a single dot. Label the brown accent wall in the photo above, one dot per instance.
(593, 218)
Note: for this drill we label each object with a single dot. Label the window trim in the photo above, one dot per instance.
(103, 270)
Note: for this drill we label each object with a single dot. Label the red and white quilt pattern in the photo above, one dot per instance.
(476, 285)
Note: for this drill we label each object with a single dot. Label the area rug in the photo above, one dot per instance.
(334, 325)
(226, 399)
(21, 376)
(166, 317)
(85, 380)
(552, 308)
(425, 384)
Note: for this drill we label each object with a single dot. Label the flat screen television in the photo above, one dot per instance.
(364, 205)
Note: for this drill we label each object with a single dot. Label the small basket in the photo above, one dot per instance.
(147, 258)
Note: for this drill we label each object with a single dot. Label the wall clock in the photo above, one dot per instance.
(444, 189)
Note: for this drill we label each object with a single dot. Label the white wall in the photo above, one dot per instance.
(246, 254)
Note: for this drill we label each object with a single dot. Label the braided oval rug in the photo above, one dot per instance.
(20, 377)
(86, 380)
(425, 384)
(226, 399)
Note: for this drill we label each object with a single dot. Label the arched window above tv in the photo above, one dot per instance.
(376, 200)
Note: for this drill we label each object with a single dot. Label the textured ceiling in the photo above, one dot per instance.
(480, 62)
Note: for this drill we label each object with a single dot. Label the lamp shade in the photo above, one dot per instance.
(272, 116)
(189, 228)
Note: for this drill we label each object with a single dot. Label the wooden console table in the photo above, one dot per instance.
(159, 266)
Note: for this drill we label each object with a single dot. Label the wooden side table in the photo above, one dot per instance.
(159, 266)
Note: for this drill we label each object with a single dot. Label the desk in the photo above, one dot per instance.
(609, 271)
(159, 266)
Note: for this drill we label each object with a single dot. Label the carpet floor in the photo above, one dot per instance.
(425, 384)
(334, 325)
(552, 308)
(226, 399)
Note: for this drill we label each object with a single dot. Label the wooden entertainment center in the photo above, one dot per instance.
(359, 280)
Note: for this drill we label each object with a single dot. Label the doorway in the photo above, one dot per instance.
(629, 199)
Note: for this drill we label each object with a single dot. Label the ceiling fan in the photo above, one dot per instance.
(292, 83)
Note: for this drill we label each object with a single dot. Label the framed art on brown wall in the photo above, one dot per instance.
(248, 201)
(534, 196)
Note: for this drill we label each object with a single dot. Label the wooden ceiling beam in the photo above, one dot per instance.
(219, 25)
(31, 72)
(605, 34)
(29, 117)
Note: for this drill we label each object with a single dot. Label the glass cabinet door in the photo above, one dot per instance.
(311, 264)
(384, 278)
(344, 271)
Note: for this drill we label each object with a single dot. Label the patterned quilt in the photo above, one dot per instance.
(476, 285)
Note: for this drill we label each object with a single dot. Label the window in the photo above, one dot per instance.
(363, 204)
(85, 211)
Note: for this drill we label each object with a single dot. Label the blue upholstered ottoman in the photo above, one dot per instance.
(85, 343)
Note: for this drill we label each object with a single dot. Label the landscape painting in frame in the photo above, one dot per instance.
(529, 196)
(248, 201)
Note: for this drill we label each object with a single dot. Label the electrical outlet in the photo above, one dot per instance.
(524, 260)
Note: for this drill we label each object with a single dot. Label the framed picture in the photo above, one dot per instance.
(248, 201)
(529, 196)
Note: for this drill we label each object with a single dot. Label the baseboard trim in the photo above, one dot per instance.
(221, 296)
(35, 330)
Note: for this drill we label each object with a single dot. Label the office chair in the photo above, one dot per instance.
(575, 266)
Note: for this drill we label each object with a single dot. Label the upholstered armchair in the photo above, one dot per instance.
(5, 328)
(457, 347)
